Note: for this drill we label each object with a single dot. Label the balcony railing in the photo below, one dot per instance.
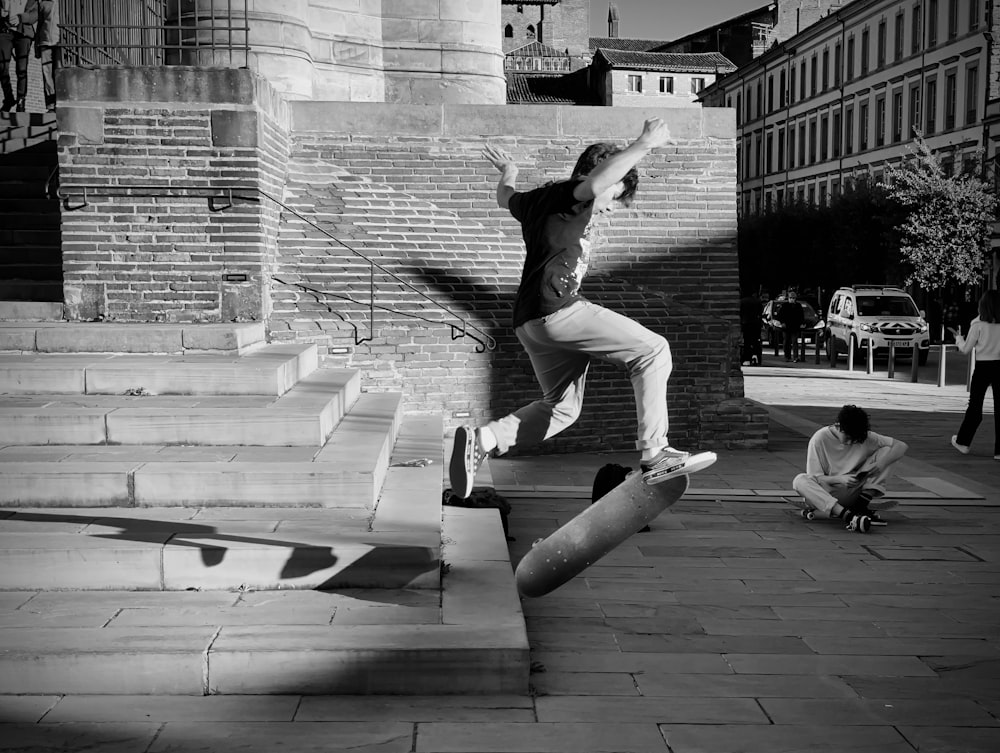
(209, 33)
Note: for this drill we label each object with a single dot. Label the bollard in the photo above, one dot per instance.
(914, 363)
(941, 365)
(817, 339)
(892, 360)
(850, 354)
(870, 365)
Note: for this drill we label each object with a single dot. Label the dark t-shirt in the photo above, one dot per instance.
(553, 224)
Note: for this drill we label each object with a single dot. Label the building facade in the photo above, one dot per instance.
(846, 96)
(561, 24)
(654, 79)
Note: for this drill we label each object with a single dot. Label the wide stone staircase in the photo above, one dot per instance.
(188, 509)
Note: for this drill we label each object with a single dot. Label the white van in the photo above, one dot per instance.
(862, 313)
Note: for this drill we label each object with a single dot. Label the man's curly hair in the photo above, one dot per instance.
(854, 423)
(594, 155)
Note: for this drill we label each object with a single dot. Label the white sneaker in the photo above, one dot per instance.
(669, 462)
(962, 448)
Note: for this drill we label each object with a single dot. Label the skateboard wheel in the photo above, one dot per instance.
(807, 514)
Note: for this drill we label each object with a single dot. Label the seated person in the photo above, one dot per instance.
(847, 466)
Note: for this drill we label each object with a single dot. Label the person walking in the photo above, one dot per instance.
(17, 29)
(984, 339)
(47, 48)
(562, 331)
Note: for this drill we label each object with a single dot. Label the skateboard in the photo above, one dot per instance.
(595, 532)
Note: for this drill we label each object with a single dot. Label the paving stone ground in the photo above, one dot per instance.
(734, 626)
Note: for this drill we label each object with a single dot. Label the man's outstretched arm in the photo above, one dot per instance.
(655, 133)
(508, 174)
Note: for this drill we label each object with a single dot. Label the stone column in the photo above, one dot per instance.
(443, 51)
(407, 51)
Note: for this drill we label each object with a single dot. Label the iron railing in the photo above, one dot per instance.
(209, 33)
(78, 195)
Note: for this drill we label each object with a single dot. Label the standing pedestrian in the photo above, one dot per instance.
(562, 331)
(984, 339)
(47, 48)
(792, 317)
(17, 29)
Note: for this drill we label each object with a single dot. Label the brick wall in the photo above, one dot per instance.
(407, 186)
(169, 136)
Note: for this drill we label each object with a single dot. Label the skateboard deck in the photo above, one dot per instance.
(595, 532)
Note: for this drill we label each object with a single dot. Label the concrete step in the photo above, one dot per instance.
(302, 417)
(31, 242)
(465, 637)
(38, 173)
(268, 370)
(33, 272)
(21, 313)
(31, 290)
(24, 139)
(17, 327)
(347, 472)
(25, 188)
(120, 553)
(27, 119)
(211, 547)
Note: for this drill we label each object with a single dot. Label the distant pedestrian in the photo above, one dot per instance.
(984, 339)
(17, 29)
(47, 48)
(847, 466)
(792, 317)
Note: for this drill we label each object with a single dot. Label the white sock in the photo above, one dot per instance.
(487, 438)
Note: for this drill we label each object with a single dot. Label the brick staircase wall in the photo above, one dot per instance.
(157, 255)
(405, 184)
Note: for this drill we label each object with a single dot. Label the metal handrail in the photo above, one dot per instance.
(221, 198)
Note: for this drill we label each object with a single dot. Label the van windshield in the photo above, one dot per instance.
(886, 305)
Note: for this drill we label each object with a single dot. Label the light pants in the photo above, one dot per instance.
(561, 347)
(822, 496)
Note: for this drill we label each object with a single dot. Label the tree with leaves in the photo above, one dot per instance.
(945, 233)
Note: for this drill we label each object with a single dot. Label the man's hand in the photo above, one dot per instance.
(508, 174)
(500, 159)
(844, 479)
(654, 133)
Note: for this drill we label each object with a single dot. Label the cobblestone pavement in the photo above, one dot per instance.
(733, 626)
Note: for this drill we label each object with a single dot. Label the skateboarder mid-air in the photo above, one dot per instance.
(560, 330)
(847, 466)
